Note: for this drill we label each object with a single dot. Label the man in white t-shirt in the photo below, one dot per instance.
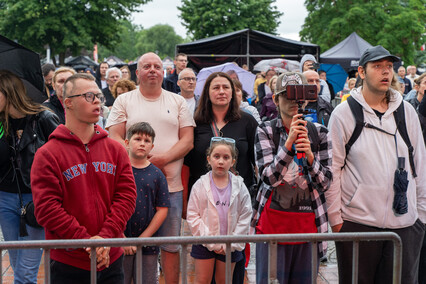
(187, 82)
(172, 121)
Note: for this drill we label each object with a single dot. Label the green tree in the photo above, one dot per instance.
(205, 18)
(398, 25)
(125, 47)
(64, 24)
(161, 39)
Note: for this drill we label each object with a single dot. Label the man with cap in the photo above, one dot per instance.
(289, 201)
(362, 195)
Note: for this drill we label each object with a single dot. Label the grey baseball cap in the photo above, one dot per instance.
(289, 78)
(376, 53)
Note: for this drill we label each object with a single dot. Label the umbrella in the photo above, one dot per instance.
(25, 64)
(246, 78)
(278, 64)
(336, 75)
(400, 185)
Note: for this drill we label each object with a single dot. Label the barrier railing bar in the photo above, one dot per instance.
(382, 236)
(314, 263)
(228, 264)
(183, 263)
(272, 239)
(272, 262)
(397, 261)
(355, 259)
(93, 274)
(139, 266)
(46, 266)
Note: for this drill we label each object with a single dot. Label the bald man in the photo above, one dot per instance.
(172, 121)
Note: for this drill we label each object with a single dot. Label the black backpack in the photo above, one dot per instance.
(399, 116)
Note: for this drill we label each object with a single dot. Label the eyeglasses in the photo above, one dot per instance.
(224, 139)
(90, 97)
(189, 79)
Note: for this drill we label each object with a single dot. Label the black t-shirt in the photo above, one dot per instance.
(242, 130)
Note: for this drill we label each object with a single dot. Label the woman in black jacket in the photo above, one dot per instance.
(24, 127)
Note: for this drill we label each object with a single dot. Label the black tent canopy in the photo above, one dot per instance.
(81, 60)
(347, 52)
(244, 47)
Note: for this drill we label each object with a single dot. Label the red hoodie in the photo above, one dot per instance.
(81, 191)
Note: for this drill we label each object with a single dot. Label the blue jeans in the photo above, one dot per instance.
(24, 262)
(172, 225)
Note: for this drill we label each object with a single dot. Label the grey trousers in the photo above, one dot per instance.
(149, 269)
(376, 258)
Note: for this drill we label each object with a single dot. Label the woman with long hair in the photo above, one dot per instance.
(24, 127)
(218, 114)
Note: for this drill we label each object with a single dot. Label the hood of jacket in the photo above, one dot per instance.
(64, 134)
(306, 57)
(394, 102)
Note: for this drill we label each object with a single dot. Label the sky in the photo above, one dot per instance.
(166, 12)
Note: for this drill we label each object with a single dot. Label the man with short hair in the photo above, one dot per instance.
(401, 74)
(323, 76)
(363, 196)
(320, 110)
(55, 102)
(101, 74)
(187, 82)
(48, 69)
(172, 121)
(412, 74)
(83, 187)
(170, 83)
(112, 75)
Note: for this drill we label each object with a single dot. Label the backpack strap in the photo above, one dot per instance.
(313, 134)
(357, 112)
(399, 116)
(275, 134)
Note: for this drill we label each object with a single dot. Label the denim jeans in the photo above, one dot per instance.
(172, 224)
(24, 262)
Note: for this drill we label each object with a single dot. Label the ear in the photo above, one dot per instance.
(178, 82)
(208, 159)
(233, 162)
(275, 99)
(126, 143)
(361, 72)
(67, 103)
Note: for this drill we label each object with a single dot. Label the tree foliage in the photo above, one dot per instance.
(398, 25)
(161, 39)
(125, 47)
(64, 24)
(205, 18)
(135, 41)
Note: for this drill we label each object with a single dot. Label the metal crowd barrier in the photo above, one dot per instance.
(185, 241)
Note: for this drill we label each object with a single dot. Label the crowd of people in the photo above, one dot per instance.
(109, 157)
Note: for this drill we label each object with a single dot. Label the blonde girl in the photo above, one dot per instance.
(219, 205)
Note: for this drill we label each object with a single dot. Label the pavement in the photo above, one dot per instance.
(327, 270)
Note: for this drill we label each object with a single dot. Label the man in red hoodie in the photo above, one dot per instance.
(83, 187)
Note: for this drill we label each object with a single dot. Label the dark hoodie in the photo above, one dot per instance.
(82, 191)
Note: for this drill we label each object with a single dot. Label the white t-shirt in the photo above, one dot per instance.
(192, 103)
(166, 114)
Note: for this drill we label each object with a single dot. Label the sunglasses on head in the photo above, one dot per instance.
(220, 139)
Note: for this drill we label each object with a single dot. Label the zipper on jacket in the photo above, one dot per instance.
(92, 184)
